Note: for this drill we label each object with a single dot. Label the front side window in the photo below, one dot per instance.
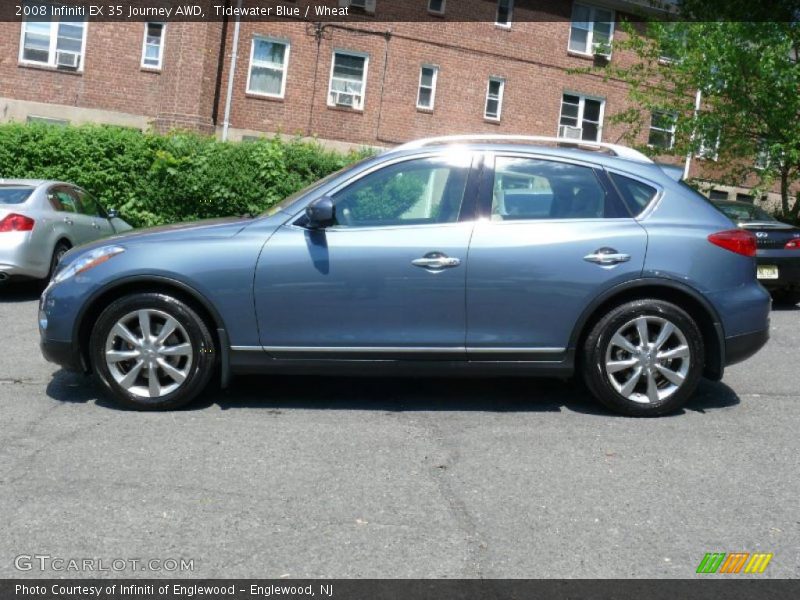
(348, 80)
(88, 205)
(153, 46)
(53, 44)
(532, 189)
(662, 130)
(504, 10)
(427, 86)
(581, 118)
(494, 98)
(592, 29)
(415, 192)
(268, 62)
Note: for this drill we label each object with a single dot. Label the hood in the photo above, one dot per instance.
(198, 230)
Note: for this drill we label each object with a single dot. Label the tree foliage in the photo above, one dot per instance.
(155, 179)
(749, 78)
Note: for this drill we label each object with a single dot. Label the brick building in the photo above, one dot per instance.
(471, 66)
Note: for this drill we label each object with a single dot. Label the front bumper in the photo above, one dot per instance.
(741, 347)
(62, 354)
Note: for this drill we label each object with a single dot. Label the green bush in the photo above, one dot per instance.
(154, 179)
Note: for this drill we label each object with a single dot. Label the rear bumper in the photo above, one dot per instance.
(742, 347)
(788, 271)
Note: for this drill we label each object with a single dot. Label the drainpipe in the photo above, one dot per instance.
(232, 72)
(697, 99)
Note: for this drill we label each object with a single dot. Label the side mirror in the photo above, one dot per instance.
(112, 213)
(321, 213)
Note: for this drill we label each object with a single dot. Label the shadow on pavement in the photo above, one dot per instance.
(22, 291)
(279, 393)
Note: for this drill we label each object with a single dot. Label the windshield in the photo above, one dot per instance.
(744, 213)
(14, 195)
(287, 202)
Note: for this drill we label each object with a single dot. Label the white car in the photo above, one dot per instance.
(41, 220)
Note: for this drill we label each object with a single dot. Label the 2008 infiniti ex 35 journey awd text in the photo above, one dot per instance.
(461, 255)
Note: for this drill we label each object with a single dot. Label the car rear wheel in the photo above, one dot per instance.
(644, 358)
(60, 250)
(152, 352)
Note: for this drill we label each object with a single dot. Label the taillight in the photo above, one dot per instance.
(15, 222)
(792, 245)
(736, 240)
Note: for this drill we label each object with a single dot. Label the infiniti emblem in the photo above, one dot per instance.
(762, 234)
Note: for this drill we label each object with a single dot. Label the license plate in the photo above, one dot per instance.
(767, 272)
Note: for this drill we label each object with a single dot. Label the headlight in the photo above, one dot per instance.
(88, 261)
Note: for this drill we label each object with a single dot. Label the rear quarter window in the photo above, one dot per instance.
(635, 194)
(14, 195)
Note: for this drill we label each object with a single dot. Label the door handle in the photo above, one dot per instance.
(436, 260)
(95, 225)
(68, 221)
(607, 257)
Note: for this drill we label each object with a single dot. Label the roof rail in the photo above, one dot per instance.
(615, 149)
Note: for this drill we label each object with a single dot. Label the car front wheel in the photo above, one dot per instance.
(152, 352)
(644, 358)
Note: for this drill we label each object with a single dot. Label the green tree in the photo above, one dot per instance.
(747, 71)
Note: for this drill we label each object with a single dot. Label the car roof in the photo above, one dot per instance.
(33, 183)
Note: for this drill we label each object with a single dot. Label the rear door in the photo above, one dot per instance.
(75, 226)
(554, 235)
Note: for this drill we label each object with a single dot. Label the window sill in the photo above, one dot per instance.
(270, 98)
(491, 121)
(582, 55)
(433, 13)
(502, 27)
(427, 111)
(156, 70)
(358, 111)
(51, 69)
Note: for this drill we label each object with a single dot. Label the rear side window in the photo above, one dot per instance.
(635, 194)
(14, 195)
(532, 188)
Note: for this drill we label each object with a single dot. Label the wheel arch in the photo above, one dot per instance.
(101, 299)
(680, 294)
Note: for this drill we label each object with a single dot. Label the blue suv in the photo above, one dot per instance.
(469, 255)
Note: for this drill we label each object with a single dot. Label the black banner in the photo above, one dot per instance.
(732, 588)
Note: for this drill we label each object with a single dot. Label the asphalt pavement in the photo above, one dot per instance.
(335, 477)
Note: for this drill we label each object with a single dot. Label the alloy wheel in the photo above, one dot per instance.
(647, 359)
(149, 353)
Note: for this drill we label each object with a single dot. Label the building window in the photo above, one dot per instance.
(268, 61)
(494, 98)
(592, 30)
(53, 44)
(427, 86)
(348, 79)
(581, 118)
(47, 120)
(364, 5)
(504, 10)
(153, 45)
(662, 130)
(718, 195)
(436, 6)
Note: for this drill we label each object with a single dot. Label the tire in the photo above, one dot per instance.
(61, 249)
(786, 297)
(684, 366)
(183, 362)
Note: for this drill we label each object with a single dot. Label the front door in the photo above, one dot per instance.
(555, 235)
(386, 280)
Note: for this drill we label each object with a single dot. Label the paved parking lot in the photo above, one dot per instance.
(315, 477)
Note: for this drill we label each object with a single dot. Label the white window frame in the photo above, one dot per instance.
(507, 24)
(499, 98)
(284, 68)
(162, 44)
(51, 62)
(582, 98)
(368, 6)
(671, 130)
(590, 43)
(437, 12)
(432, 87)
(364, 79)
